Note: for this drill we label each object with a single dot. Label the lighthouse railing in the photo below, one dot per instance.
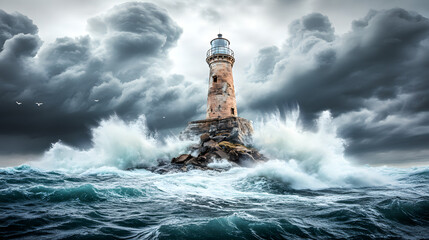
(219, 50)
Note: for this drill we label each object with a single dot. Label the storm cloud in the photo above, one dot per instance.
(372, 75)
(120, 68)
(373, 79)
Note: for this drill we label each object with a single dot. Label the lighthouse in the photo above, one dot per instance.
(221, 94)
(222, 134)
(222, 120)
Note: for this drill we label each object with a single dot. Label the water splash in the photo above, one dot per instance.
(277, 198)
(222, 164)
(299, 158)
(307, 159)
(116, 143)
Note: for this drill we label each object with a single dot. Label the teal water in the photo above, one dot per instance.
(107, 203)
(308, 190)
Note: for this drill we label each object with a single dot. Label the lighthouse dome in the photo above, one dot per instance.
(220, 45)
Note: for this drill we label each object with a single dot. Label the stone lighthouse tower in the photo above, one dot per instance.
(221, 96)
(222, 134)
(222, 121)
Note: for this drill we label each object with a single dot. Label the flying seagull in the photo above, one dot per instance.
(96, 100)
(19, 103)
(39, 103)
(163, 117)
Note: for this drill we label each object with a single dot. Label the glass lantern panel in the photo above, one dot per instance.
(220, 46)
(219, 43)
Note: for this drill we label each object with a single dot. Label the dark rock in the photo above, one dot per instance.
(222, 154)
(219, 139)
(182, 158)
(210, 156)
(202, 159)
(257, 156)
(195, 161)
(204, 137)
(246, 157)
(204, 150)
(211, 144)
(233, 156)
(234, 136)
(227, 146)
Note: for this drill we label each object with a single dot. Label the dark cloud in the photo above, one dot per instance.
(263, 65)
(13, 24)
(123, 63)
(373, 78)
(135, 30)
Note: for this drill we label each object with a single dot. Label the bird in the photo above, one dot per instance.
(96, 100)
(163, 117)
(19, 103)
(39, 103)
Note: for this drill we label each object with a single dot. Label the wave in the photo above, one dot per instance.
(235, 226)
(300, 158)
(115, 143)
(308, 159)
(407, 212)
(308, 189)
(82, 193)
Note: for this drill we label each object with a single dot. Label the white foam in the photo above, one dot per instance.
(300, 158)
(309, 159)
(223, 164)
(116, 143)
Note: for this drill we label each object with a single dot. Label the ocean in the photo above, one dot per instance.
(307, 190)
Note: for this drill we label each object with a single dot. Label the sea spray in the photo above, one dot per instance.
(115, 143)
(308, 190)
(222, 164)
(299, 158)
(305, 158)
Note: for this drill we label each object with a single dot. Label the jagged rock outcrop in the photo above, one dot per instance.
(226, 139)
(220, 139)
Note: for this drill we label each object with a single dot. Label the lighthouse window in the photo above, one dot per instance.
(214, 78)
(232, 111)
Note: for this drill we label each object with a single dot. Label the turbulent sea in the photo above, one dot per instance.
(308, 190)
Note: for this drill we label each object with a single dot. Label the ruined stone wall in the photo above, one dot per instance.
(237, 128)
(221, 97)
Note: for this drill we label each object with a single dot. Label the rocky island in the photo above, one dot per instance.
(220, 139)
(222, 135)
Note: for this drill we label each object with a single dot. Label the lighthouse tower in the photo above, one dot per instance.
(221, 119)
(221, 96)
(223, 135)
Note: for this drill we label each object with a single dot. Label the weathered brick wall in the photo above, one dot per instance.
(221, 96)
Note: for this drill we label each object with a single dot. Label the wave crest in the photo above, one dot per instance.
(116, 143)
(307, 159)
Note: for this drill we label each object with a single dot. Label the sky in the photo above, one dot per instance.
(365, 61)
